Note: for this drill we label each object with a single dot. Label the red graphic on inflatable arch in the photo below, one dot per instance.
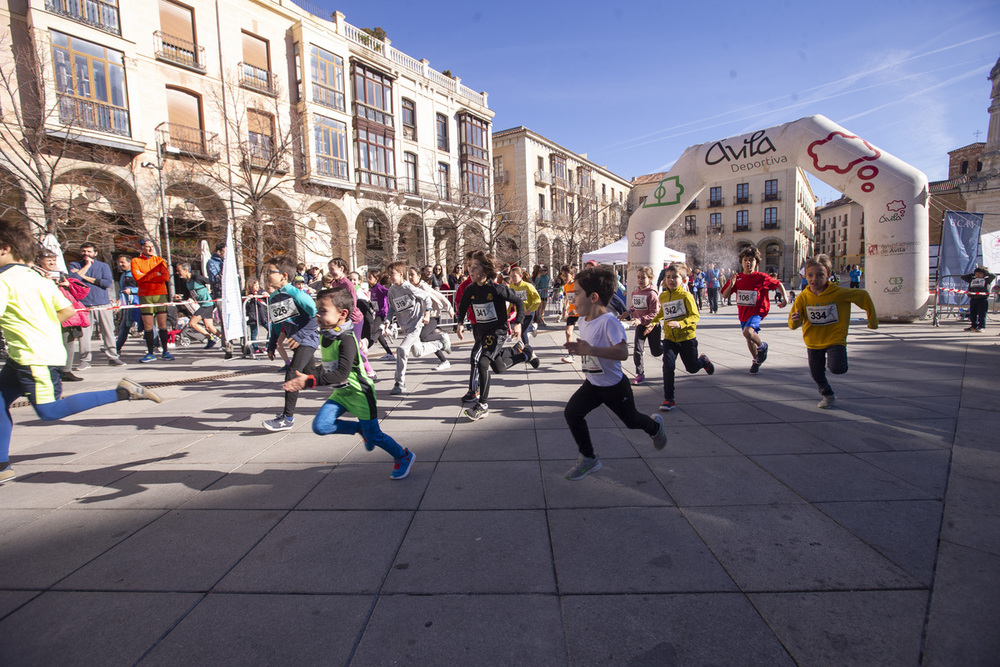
(640, 238)
(828, 154)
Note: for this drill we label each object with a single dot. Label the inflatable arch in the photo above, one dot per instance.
(894, 196)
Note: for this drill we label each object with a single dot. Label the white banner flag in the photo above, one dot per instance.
(990, 244)
(231, 306)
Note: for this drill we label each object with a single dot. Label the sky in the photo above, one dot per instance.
(633, 84)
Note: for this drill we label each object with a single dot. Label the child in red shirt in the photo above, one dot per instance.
(753, 301)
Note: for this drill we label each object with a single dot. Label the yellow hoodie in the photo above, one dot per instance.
(678, 306)
(824, 317)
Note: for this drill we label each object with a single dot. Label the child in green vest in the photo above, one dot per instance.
(354, 392)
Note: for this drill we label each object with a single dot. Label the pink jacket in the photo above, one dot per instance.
(76, 291)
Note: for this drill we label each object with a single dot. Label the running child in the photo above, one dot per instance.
(488, 302)
(412, 309)
(753, 301)
(340, 367)
(643, 307)
(532, 301)
(439, 304)
(823, 310)
(679, 314)
(603, 348)
(566, 275)
(31, 311)
(292, 314)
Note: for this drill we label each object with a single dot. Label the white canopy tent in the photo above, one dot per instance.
(617, 253)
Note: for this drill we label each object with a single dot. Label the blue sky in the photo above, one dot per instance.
(633, 84)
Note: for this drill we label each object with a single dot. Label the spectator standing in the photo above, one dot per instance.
(72, 327)
(855, 276)
(96, 275)
(151, 275)
(128, 295)
(713, 283)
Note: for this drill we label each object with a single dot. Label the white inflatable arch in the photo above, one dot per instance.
(894, 196)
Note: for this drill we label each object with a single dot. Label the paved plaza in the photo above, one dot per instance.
(767, 532)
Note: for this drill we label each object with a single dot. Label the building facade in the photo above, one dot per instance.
(557, 204)
(316, 138)
(841, 233)
(774, 212)
(982, 189)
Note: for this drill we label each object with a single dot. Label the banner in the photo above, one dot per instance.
(231, 306)
(959, 252)
(991, 251)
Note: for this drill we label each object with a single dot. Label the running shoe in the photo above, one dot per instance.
(584, 466)
(166, 356)
(639, 379)
(137, 392)
(82, 366)
(533, 360)
(69, 377)
(969, 329)
(761, 353)
(147, 358)
(707, 364)
(210, 344)
(660, 437)
(668, 405)
(568, 359)
(7, 473)
(116, 362)
(387, 357)
(401, 466)
(754, 367)
(533, 330)
(477, 411)
(398, 389)
(279, 423)
(443, 366)
(826, 402)
(446, 343)
(470, 397)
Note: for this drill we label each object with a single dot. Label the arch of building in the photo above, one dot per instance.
(893, 194)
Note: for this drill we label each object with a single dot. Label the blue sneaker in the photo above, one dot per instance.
(166, 356)
(279, 423)
(210, 344)
(402, 465)
(148, 358)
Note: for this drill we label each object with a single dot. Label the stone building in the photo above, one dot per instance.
(555, 204)
(774, 211)
(316, 138)
(840, 233)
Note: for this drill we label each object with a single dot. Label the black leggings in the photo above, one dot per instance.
(688, 350)
(617, 397)
(639, 346)
(377, 326)
(834, 358)
(301, 358)
(487, 348)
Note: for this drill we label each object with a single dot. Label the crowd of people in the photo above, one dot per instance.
(324, 324)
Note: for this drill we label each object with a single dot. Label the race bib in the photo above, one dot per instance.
(820, 315)
(522, 295)
(674, 309)
(279, 311)
(591, 365)
(746, 297)
(978, 283)
(570, 297)
(484, 312)
(402, 303)
(639, 301)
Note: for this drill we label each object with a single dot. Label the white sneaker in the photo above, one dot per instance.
(444, 365)
(826, 402)
(446, 343)
(568, 359)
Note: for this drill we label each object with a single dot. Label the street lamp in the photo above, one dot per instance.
(163, 209)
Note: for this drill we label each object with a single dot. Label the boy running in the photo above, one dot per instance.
(643, 306)
(680, 316)
(292, 313)
(340, 366)
(529, 295)
(31, 310)
(488, 302)
(569, 313)
(823, 310)
(753, 301)
(603, 348)
(412, 308)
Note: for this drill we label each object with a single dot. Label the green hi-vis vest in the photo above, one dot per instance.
(357, 394)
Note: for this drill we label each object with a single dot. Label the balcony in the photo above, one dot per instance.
(746, 199)
(715, 229)
(263, 158)
(741, 227)
(543, 178)
(82, 113)
(179, 51)
(178, 140)
(690, 231)
(588, 192)
(501, 177)
(771, 196)
(692, 206)
(771, 224)
(96, 13)
(545, 217)
(260, 80)
(560, 182)
(716, 203)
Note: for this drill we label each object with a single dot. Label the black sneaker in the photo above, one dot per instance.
(69, 377)
(534, 360)
(754, 367)
(707, 364)
(470, 398)
(761, 353)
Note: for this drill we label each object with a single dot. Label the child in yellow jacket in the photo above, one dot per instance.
(823, 310)
(679, 314)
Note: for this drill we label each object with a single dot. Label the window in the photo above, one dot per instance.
(558, 163)
(771, 190)
(715, 223)
(376, 159)
(409, 119)
(373, 240)
(498, 163)
(175, 41)
(102, 14)
(327, 71)
(473, 137)
(965, 166)
(331, 147)
(260, 138)
(742, 193)
(372, 95)
(742, 221)
(441, 122)
(90, 85)
(715, 196)
(541, 202)
(444, 181)
(410, 172)
(586, 181)
(541, 163)
(770, 218)
(690, 225)
(475, 178)
(185, 122)
(255, 70)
